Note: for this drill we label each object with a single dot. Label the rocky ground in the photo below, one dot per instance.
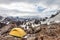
(46, 32)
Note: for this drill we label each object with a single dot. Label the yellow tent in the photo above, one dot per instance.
(17, 32)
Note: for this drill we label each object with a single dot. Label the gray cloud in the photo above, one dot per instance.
(47, 2)
(32, 1)
(28, 1)
(50, 2)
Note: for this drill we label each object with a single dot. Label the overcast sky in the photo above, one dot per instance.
(29, 7)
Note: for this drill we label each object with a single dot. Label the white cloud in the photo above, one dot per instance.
(19, 6)
(31, 8)
(24, 14)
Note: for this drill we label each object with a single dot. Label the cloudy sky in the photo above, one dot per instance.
(29, 7)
